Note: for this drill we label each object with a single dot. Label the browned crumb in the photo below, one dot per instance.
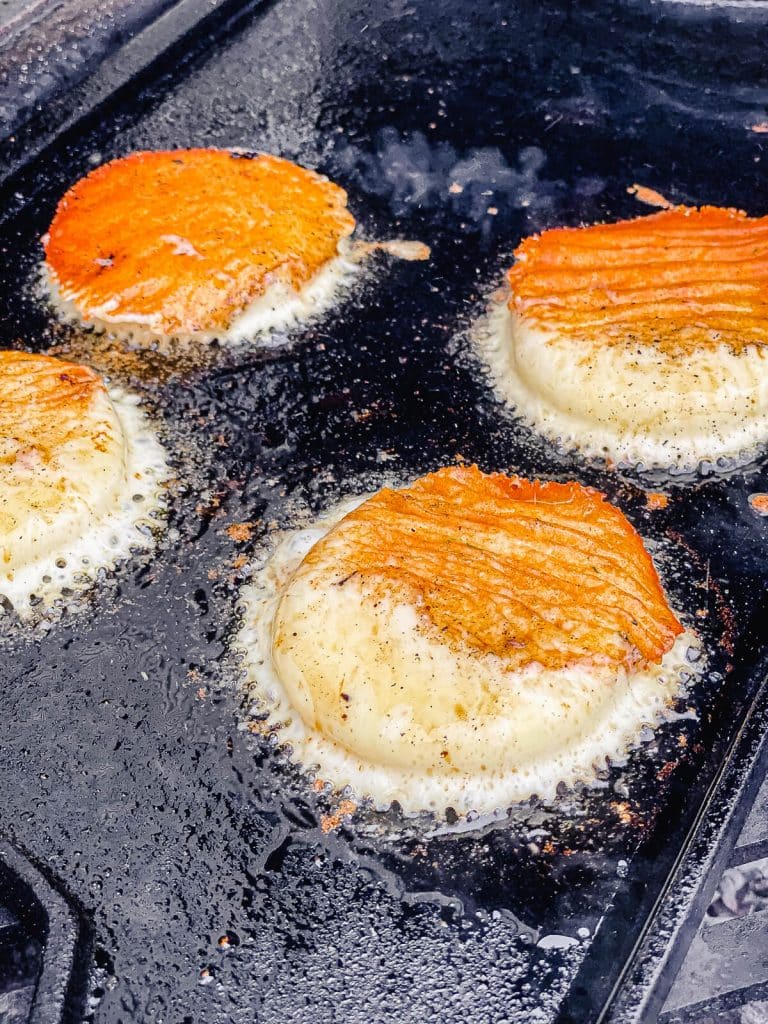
(318, 785)
(761, 128)
(625, 814)
(328, 822)
(649, 196)
(548, 847)
(258, 728)
(240, 532)
(682, 740)
(666, 770)
(759, 503)
(207, 510)
(239, 561)
(655, 499)
(213, 574)
(202, 693)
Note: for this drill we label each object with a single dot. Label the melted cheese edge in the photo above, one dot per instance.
(629, 402)
(280, 308)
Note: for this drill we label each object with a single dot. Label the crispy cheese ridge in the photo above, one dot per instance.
(187, 239)
(42, 401)
(679, 279)
(531, 571)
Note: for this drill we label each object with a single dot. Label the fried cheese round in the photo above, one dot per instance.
(209, 243)
(641, 341)
(466, 641)
(80, 474)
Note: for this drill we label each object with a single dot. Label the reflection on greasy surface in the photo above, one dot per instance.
(47, 46)
(218, 886)
(724, 976)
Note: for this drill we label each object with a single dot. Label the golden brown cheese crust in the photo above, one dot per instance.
(681, 279)
(531, 571)
(41, 403)
(187, 239)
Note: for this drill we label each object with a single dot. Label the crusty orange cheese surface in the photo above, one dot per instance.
(61, 453)
(678, 279)
(185, 240)
(530, 571)
(42, 402)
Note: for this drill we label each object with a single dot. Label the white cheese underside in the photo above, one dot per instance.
(280, 308)
(627, 402)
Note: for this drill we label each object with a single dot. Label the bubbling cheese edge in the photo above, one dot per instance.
(363, 696)
(89, 506)
(279, 308)
(627, 401)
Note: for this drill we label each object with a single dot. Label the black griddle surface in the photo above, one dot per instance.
(128, 772)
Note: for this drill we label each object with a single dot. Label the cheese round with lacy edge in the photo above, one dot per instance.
(642, 341)
(81, 472)
(198, 243)
(419, 649)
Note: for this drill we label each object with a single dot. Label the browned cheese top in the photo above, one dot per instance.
(683, 279)
(188, 238)
(530, 571)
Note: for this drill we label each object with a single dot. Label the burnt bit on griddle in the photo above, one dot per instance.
(241, 533)
(759, 503)
(724, 611)
(666, 770)
(330, 822)
(656, 500)
(627, 814)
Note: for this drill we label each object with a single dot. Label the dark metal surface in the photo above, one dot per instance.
(39, 937)
(47, 46)
(725, 967)
(45, 89)
(126, 766)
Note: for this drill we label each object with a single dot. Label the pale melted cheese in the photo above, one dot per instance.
(82, 501)
(629, 402)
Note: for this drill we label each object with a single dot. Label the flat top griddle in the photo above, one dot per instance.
(129, 774)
